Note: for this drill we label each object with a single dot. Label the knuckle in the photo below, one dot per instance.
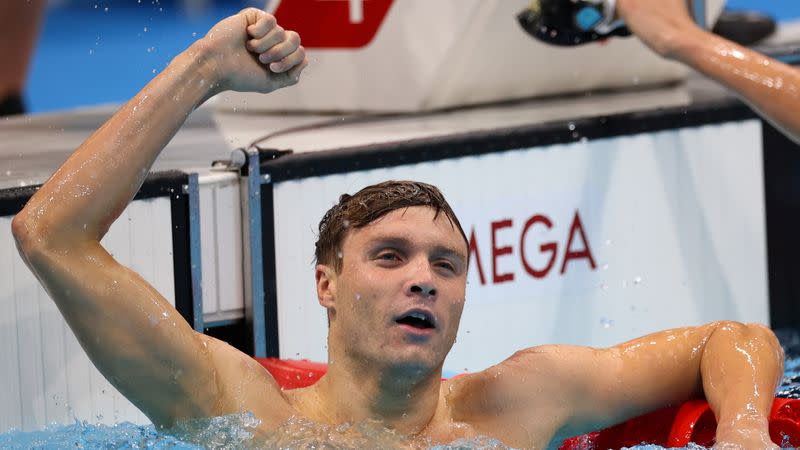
(293, 37)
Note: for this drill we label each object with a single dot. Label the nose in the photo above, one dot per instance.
(424, 289)
(421, 281)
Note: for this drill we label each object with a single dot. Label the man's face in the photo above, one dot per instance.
(399, 295)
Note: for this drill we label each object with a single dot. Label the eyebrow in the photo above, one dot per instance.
(404, 243)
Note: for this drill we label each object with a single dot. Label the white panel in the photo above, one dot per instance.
(30, 346)
(160, 223)
(208, 249)
(10, 393)
(48, 377)
(228, 241)
(674, 221)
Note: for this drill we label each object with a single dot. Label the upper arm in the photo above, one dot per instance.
(134, 337)
(582, 389)
(596, 388)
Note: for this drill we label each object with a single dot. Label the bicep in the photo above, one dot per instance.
(134, 336)
(588, 389)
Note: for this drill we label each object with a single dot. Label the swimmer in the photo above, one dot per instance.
(769, 86)
(394, 299)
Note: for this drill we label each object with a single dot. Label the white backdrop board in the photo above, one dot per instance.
(440, 54)
(645, 232)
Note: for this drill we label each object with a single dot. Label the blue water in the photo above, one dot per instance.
(97, 51)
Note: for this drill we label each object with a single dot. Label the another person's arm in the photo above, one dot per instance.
(130, 332)
(769, 86)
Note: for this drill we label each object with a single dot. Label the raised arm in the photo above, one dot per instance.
(133, 336)
(767, 85)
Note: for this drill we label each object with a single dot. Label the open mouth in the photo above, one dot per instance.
(417, 319)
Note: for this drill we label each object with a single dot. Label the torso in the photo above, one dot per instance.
(303, 423)
(462, 411)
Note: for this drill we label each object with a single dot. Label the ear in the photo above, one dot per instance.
(326, 286)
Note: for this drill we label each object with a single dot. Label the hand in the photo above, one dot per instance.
(660, 24)
(745, 436)
(250, 52)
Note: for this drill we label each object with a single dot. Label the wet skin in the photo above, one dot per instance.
(379, 368)
(769, 86)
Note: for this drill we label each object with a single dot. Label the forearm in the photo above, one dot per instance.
(767, 85)
(741, 366)
(91, 189)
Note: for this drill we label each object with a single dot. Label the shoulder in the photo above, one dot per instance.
(527, 380)
(528, 398)
(244, 385)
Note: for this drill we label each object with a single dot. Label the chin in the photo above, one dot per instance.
(414, 361)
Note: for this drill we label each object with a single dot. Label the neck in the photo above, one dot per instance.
(402, 398)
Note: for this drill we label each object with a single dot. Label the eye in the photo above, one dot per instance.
(388, 256)
(447, 265)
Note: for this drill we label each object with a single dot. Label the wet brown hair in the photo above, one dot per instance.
(370, 204)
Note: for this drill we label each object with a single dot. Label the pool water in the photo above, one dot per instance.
(236, 431)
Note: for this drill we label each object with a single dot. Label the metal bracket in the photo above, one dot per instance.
(253, 253)
(195, 258)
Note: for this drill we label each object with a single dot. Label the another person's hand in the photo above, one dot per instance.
(250, 52)
(660, 24)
